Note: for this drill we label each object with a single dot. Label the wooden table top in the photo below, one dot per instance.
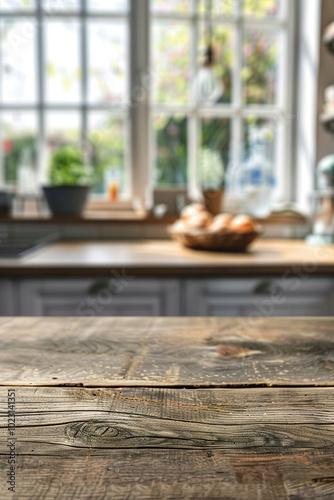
(173, 408)
(167, 258)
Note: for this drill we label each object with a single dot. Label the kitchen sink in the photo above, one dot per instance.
(16, 247)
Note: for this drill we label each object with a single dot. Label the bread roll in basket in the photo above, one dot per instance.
(197, 229)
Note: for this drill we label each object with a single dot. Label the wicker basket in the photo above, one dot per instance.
(217, 242)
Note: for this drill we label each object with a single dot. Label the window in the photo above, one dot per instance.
(252, 41)
(118, 79)
(65, 81)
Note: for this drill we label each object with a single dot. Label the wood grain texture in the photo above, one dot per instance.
(166, 258)
(143, 443)
(151, 474)
(183, 352)
(131, 435)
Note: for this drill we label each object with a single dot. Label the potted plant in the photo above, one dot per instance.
(69, 182)
(212, 177)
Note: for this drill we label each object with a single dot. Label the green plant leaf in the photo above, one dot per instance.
(67, 167)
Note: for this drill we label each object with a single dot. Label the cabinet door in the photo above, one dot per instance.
(113, 297)
(263, 297)
(7, 300)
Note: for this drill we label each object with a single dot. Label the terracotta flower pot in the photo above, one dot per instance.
(213, 200)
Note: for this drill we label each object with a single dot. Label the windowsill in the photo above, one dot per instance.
(129, 217)
(94, 217)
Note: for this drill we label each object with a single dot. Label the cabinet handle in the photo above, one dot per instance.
(95, 288)
(268, 288)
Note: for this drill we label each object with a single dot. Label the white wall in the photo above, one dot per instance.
(325, 141)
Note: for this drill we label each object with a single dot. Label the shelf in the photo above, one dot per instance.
(328, 38)
(328, 122)
(107, 218)
(323, 193)
(97, 217)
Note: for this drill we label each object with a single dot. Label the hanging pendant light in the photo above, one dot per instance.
(209, 87)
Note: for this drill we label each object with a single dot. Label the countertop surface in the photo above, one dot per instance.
(163, 352)
(167, 258)
(167, 408)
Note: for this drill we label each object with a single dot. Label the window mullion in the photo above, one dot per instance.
(290, 73)
(237, 68)
(193, 119)
(140, 84)
(40, 42)
(236, 155)
(84, 75)
(193, 148)
(2, 169)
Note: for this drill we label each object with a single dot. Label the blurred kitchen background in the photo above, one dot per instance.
(116, 114)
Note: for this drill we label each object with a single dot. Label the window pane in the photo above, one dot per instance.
(18, 68)
(109, 5)
(259, 129)
(62, 129)
(108, 156)
(170, 150)
(171, 62)
(223, 48)
(214, 153)
(62, 61)
(257, 180)
(260, 67)
(16, 4)
(171, 5)
(108, 61)
(220, 7)
(261, 8)
(59, 5)
(19, 143)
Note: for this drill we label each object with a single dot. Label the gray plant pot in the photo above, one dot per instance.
(66, 200)
(6, 203)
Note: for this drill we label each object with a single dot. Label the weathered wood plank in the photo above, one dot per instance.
(211, 406)
(142, 443)
(150, 474)
(184, 352)
(195, 419)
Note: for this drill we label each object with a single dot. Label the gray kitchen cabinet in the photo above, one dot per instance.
(263, 297)
(123, 296)
(96, 297)
(7, 298)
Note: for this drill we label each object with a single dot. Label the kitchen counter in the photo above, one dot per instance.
(167, 408)
(159, 278)
(166, 258)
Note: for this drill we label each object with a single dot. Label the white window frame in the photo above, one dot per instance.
(37, 17)
(140, 107)
(307, 105)
(236, 111)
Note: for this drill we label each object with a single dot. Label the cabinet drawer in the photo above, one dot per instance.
(260, 297)
(7, 298)
(114, 297)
